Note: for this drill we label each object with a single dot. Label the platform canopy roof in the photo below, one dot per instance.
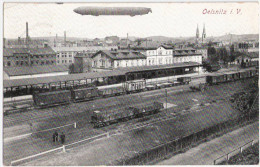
(92, 75)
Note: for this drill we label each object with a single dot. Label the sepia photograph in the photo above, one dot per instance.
(127, 83)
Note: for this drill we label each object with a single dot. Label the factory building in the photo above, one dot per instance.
(17, 57)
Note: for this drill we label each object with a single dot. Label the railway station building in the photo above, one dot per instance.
(65, 55)
(117, 58)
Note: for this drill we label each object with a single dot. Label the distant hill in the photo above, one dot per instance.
(234, 37)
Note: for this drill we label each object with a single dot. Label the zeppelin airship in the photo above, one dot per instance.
(97, 11)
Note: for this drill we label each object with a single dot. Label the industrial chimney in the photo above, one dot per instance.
(64, 38)
(27, 34)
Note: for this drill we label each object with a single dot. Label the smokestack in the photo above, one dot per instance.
(65, 38)
(27, 34)
(4, 42)
(127, 40)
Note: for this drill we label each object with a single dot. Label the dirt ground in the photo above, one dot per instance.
(191, 111)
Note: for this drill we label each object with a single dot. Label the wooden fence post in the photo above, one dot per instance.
(63, 149)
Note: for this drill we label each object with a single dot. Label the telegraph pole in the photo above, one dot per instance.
(166, 99)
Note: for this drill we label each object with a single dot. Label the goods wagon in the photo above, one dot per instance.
(215, 79)
(147, 109)
(84, 94)
(112, 91)
(253, 73)
(134, 86)
(244, 74)
(52, 98)
(105, 118)
(231, 76)
(184, 80)
(213, 67)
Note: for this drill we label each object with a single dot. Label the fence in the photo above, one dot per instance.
(59, 149)
(153, 154)
(236, 151)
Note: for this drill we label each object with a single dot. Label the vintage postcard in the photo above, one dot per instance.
(89, 84)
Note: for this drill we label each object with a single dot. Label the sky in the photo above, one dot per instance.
(166, 19)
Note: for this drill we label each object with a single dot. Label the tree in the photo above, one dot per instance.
(223, 55)
(71, 68)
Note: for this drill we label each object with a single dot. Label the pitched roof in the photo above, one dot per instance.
(33, 51)
(81, 49)
(122, 54)
(41, 51)
(11, 51)
(17, 71)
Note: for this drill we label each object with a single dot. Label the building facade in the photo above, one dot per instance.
(17, 57)
(65, 55)
(115, 59)
(182, 55)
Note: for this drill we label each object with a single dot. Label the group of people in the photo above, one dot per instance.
(55, 137)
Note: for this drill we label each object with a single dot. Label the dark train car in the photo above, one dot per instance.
(48, 99)
(215, 79)
(85, 94)
(253, 73)
(134, 86)
(244, 74)
(184, 80)
(105, 118)
(146, 109)
(231, 76)
(112, 91)
(213, 67)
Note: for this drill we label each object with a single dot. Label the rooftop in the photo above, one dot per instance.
(81, 49)
(30, 70)
(122, 54)
(32, 51)
(91, 75)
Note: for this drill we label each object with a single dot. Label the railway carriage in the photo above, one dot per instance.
(85, 94)
(215, 79)
(134, 86)
(48, 99)
(244, 74)
(253, 73)
(112, 91)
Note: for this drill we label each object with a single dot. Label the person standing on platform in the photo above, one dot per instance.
(55, 136)
(62, 138)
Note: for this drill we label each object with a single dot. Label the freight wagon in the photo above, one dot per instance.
(112, 91)
(85, 94)
(184, 80)
(215, 79)
(231, 76)
(134, 86)
(48, 99)
(244, 74)
(105, 118)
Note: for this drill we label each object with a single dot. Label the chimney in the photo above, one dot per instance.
(4, 42)
(64, 38)
(27, 34)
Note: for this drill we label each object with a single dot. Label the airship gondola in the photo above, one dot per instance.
(97, 11)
